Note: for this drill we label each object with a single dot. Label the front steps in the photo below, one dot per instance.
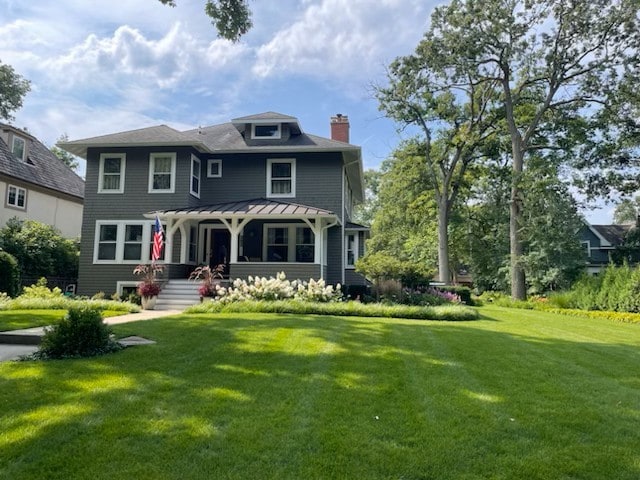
(178, 294)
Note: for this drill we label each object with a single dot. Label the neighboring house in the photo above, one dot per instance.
(257, 195)
(36, 185)
(599, 242)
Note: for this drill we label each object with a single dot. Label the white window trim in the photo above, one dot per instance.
(24, 207)
(277, 136)
(124, 283)
(199, 176)
(271, 161)
(356, 248)
(152, 158)
(214, 161)
(123, 162)
(24, 146)
(147, 227)
(291, 241)
(587, 243)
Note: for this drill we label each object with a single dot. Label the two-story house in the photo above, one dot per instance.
(600, 242)
(257, 195)
(36, 185)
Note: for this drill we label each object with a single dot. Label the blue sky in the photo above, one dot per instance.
(104, 66)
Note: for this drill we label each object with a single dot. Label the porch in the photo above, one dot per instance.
(253, 237)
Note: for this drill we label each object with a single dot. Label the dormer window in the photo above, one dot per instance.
(18, 148)
(266, 131)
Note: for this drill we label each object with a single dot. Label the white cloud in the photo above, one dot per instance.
(344, 39)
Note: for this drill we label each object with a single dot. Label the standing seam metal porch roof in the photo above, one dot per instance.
(257, 207)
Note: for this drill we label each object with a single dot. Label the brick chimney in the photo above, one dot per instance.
(340, 128)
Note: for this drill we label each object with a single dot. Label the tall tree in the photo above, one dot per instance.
(454, 121)
(565, 69)
(232, 18)
(13, 88)
(65, 157)
(627, 210)
(366, 211)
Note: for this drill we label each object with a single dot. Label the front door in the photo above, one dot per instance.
(220, 247)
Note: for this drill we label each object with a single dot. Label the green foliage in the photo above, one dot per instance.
(40, 249)
(13, 88)
(65, 157)
(81, 333)
(445, 312)
(9, 274)
(463, 292)
(232, 18)
(40, 290)
(627, 211)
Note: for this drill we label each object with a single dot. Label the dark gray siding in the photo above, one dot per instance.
(293, 271)
(351, 277)
(244, 176)
(335, 244)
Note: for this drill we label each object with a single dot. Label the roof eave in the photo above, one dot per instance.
(80, 149)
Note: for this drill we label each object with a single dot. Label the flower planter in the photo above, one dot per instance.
(149, 303)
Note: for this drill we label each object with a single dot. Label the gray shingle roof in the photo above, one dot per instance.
(257, 207)
(614, 234)
(42, 167)
(265, 116)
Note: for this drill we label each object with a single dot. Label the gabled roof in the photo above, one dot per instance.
(613, 234)
(266, 116)
(256, 207)
(41, 167)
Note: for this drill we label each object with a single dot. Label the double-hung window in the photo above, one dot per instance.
(111, 173)
(162, 173)
(19, 148)
(123, 241)
(281, 177)
(289, 243)
(195, 176)
(351, 249)
(16, 197)
(214, 168)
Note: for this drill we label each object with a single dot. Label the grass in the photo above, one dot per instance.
(514, 395)
(17, 319)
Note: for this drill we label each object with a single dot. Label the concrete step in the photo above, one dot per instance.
(25, 336)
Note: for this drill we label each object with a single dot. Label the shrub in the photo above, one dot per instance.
(40, 290)
(278, 288)
(357, 292)
(9, 274)
(463, 293)
(81, 333)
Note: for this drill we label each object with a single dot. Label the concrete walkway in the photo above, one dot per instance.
(17, 343)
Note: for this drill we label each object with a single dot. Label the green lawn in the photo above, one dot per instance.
(16, 319)
(516, 395)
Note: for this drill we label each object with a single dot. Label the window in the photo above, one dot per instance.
(132, 242)
(192, 243)
(266, 131)
(111, 175)
(289, 243)
(123, 242)
(214, 168)
(351, 249)
(305, 245)
(16, 197)
(281, 178)
(162, 172)
(277, 244)
(107, 242)
(18, 148)
(195, 176)
(586, 245)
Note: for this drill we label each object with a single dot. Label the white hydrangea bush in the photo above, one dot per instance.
(278, 288)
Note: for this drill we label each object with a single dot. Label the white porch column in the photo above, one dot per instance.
(235, 227)
(316, 228)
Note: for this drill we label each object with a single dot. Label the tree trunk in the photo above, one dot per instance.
(518, 287)
(443, 241)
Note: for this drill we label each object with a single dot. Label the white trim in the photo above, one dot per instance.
(172, 182)
(199, 170)
(17, 189)
(123, 162)
(214, 161)
(292, 162)
(24, 147)
(147, 227)
(125, 283)
(587, 243)
(277, 136)
(291, 242)
(356, 249)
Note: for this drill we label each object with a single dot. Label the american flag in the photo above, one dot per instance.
(158, 240)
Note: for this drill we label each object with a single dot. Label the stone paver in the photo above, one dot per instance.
(13, 352)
